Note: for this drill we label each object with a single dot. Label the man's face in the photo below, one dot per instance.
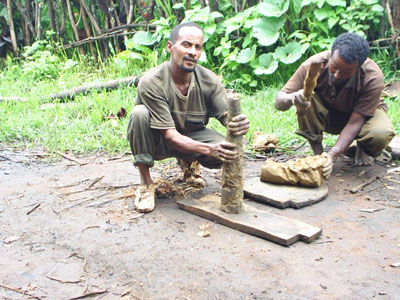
(339, 69)
(186, 51)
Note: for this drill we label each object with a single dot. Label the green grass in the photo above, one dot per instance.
(81, 125)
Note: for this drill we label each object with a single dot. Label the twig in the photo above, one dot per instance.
(119, 156)
(371, 190)
(82, 202)
(94, 226)
(71, 158)
(20, 292)
(63, 281)
(96, 180)
(36, 206)
(362, 185)
(89, 294)
(110, 200)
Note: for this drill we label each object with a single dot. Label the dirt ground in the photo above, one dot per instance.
(63, 236)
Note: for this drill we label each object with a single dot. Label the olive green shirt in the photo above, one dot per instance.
(361, 93)
(206, 97)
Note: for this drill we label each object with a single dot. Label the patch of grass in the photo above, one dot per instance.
(82, 125)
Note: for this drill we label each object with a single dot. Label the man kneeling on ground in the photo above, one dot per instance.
(174, 103)
(347, 101)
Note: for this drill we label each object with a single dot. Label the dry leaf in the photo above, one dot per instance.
(203, 233)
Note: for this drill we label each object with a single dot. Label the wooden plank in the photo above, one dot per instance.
(283, 196)
(261, 223)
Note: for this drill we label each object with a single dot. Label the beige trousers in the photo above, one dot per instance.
(374, 136)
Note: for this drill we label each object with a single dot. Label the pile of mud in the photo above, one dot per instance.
(305, 171)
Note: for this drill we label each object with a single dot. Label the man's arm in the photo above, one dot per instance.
(222, 150)
(347, 136)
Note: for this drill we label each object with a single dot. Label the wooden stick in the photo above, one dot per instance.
(89, 294)
(36, 206)
(310, 83)
(20, 292)
(71, 158)
(363, 185)
(232, 172)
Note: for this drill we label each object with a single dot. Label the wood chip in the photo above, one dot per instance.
(395, 265)
(370, 210)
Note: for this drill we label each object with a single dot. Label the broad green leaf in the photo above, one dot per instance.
(341, 3)
(216, 14)
(209, 31)
(200, 16)
(370, 2)
(289, 53)
(245, 55)
(332, 21)
(253, 83)
(298, 34)
(377, 8)
(266, 30)
(267, 65)
(178, 6)
(322, 13)
(304, 47)
(273, 8)
(143, 38)
(297, 4)
(217, 51)
(247, 40)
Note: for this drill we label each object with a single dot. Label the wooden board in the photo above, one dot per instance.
(261, 223)
(283, 196)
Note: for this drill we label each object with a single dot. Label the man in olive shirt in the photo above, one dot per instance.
(174, 103)
(347, 101)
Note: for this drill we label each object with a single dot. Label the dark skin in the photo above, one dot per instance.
(185, 52)
(339, 70)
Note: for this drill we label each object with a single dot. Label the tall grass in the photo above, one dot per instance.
(83, 126)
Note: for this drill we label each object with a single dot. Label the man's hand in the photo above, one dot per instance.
(299, 101)
(224, 151)
(239, 125)
(328, 166)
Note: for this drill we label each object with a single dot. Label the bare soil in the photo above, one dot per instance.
(63, 236)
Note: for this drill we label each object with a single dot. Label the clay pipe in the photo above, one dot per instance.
(309, 84)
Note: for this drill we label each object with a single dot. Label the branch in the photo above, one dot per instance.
(70, 94)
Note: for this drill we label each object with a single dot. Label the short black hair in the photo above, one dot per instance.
(352, 48)
(175, 31)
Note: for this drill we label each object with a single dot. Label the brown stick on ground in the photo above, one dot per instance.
(232, 173)
(309, 84)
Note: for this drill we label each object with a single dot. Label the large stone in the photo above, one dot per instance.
(283, 196)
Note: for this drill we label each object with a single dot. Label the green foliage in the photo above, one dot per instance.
(42, 62)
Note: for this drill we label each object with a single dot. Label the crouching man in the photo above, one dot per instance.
(174, 103)
(347, 102)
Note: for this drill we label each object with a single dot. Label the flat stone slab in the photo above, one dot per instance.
(254, 221)
(283, 196)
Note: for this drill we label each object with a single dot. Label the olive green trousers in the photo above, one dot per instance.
(148, 144)
(374, 136)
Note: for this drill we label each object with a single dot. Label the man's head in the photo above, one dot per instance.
(349, 51)
(185, 45)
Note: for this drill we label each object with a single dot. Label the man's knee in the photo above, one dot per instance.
(140, 114)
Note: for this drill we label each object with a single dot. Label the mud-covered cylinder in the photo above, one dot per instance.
(232, 172)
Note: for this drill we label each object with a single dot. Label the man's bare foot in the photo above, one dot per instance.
(191, 173)
(144, 201)
(361, 158)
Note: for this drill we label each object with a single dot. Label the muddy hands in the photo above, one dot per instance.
(225, 151)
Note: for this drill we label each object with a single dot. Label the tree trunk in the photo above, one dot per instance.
(73, 25)
(396, 14)
(62, 26)
(88, 33)
(11, 25)
(38, 16)
(50, 8)
(25, 13)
